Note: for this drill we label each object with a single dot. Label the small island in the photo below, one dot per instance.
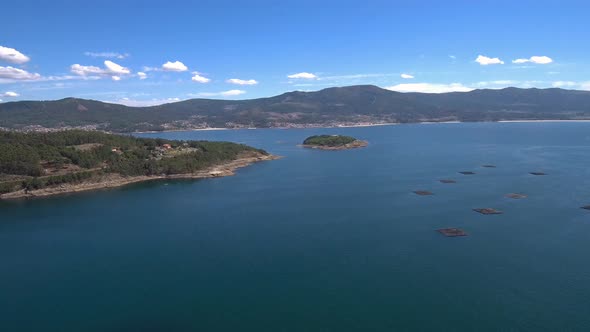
(45, 164)
(333, 142)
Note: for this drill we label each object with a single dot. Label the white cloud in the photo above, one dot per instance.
(200, 79)
(520, 61)
(174, 66)
(496, 84)
(8, 74)
(13, 56)
(233, 92)
(540, 60)
(561, 84)
(228, 93)
(303, 75)
(111, 69)
(85, 70)
(585, 86)
(452, 57)
(484, 61)
(141, 75)
(114, 68)
(406, 76)
(429, 87)
(140, 103)
(9, 94)
(353, 77)
(107, 55)
(241, 82)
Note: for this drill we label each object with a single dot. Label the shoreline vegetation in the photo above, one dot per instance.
(110, 181)
(46, 164)
(333, 142)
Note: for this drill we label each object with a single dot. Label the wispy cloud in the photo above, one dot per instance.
(562, 84)
(228, 93)
(139, 102)
(501, 83)
(406, 76)
(107, 55)
(9, 94)
(352, 76)
(429, 87)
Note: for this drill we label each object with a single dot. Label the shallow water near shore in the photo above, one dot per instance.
(319, 240)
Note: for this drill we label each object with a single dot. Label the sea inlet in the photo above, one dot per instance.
(320, 240)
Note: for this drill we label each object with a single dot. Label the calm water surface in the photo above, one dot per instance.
(319, 240)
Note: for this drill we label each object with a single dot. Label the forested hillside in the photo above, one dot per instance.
(37, 160)
(328, 107)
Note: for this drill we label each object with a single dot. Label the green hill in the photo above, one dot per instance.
(33, 161)
(328, 107)
(329, 140)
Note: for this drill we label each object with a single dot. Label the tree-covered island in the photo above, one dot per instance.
(333, 142)
(42, 164)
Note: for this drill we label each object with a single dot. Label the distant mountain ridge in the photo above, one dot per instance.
(361, 104)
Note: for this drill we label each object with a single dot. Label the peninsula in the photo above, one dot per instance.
(44, 164)
(333, 142)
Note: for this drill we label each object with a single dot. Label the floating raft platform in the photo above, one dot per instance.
(538, 173)
(447, 181)
(467, 173)
(452, 232)
(489, 166)
(515, 196)
(423, 192)
(487, 211)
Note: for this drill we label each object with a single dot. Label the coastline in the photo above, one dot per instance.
(517, 121)
(311, 126)
(115, 180)
(175, 130)
(361, 125)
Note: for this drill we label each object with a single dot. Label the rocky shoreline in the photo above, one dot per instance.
(353, 145)
(114, 180)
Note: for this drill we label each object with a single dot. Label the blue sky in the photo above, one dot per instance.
(148, 52)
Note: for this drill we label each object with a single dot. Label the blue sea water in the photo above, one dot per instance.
(319, 240)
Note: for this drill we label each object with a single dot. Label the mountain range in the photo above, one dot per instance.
(361, 104)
